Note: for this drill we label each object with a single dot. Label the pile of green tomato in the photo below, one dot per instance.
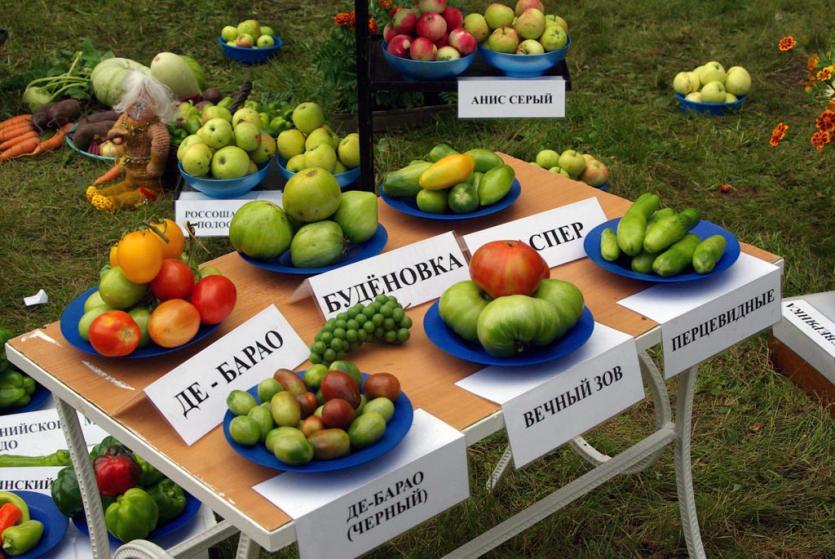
(383, 320)
(16, 388)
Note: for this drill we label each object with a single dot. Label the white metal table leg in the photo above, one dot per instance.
(99, 544)
(684, 474)
(501, 469)
(247, 549)
(141, 549)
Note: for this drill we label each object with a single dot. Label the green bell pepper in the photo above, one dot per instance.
(22, 537)
(170, 499)
(29, 385)
(106, 443)
(11, 396)
(11, 378)
(133, 516)
(150, 475)
(66, 493)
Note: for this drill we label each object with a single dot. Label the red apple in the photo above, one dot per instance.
(523, 5)
(453, 17)
(435, 6)
(404, 21)
(443, 41)
(508, 268)
(431, 26)
(399, 45)
(388, 33)
(423, 49)
(463, 41)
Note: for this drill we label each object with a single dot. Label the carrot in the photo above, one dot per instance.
(23, 148)
(9, 516)
(53, 142)
(9, 143)
(15, 120)
(15, 130)
(111, 175)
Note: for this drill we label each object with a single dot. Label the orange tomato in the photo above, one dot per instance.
(114, 259)
(140, 256)
(173, 323)
(176, 240)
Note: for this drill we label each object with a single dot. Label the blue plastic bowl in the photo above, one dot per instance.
(715, 109)
(524, 65)
(226, 188)
(250, 56)
(69, 142)
(344, 179)
(427, 69)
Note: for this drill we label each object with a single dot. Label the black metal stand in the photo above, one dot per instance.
(374, 74)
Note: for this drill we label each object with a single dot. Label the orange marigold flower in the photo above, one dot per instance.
(824, 75)
(826, 121)
(819, 139)
(386, 4)
(345, 19)
(787, 43)
(812, 63)
(778, 134)
(372, 25)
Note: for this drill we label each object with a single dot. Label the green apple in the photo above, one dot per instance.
(730, 97)
(696, 97)
(712, 72)
(713, 92)
(265, 149)
(250, 27)
(184, 145)
(339, 168)
(738, 81)
(230, 162)
(245, 41)
(267, 30)
(574, 163)
(264, 41)
(231, 43)
(349, 150)
(229, 33)
(530, 46)
(357, 215)
(246, 114)
(588, 157)
(695, 82)
(197, 160)
(477, 27)
(216, 133)
(213, 111)
(323, 156)
(447, 53)
(290, 143)
(252, 168)
(559, 171)
(554, 38)
(311, 195)
(530, 24)
(682, 84)
(559, 21)
(297, 163)
(308, 116)
(322, 135)
(247, 136)
(547, 158)
(498, 15)
(503, 39)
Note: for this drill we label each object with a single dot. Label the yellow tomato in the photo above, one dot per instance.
(447, 172)
(140, 256)
(114, 259)
(176, 240)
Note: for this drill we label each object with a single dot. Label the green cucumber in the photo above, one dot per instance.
(663, 212)
(404, 182)
(643, 262)
(708, 253)
(484, 159)
(668, 230)
(677, 258)
(633, 225)
(440, 151)
(609, 248)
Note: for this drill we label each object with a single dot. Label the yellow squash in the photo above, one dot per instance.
(447, 172)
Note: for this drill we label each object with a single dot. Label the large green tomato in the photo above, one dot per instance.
(260, 229)
(118, 291)
(460, 306)
(509, 325)
(317, 244)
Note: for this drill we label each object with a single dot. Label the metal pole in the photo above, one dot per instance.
(364, 116)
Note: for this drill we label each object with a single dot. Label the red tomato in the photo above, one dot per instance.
(114, 334)
(508, 268)
(214, 297)
(173, 323)
(175, 280)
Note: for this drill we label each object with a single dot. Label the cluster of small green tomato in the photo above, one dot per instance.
(383, 320)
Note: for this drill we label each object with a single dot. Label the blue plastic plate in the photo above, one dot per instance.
(75, 310)
(524, 65)
(43, 509)
(408, 205)
(250, 56)
(448, 341)
(226, 188)
(161, 531)
(39, 398)
(397, 428)
(704, 229)
(69, 142)
(715, 109)
(344, 179)
(427, 69)
(355, 253)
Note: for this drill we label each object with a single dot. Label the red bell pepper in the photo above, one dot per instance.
(116, 472)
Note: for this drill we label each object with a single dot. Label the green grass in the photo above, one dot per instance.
(762, 451)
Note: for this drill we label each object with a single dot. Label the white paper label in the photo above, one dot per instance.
(38, 480)
(39, 433)
(556, 234)
(192, 397)
(415, 273)
(210, 217)
(343, 514)
(700, 319)
(486, 97)
(546, 406)
(812, 323)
